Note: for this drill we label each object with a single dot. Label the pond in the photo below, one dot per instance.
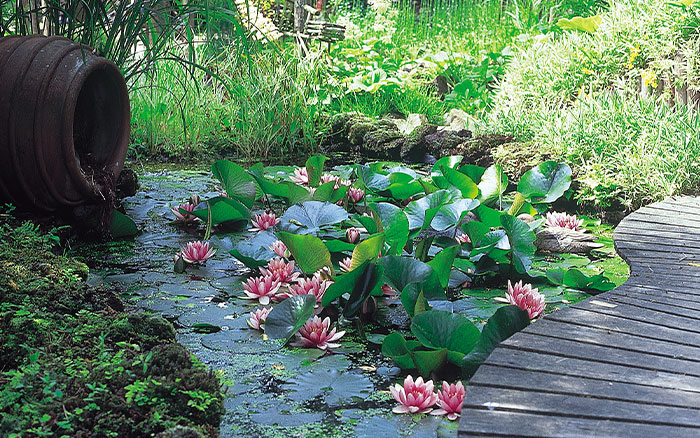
(274, 390)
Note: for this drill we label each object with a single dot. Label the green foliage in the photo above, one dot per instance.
(287, 317)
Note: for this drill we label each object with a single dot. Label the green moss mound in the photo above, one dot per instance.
(75, 364)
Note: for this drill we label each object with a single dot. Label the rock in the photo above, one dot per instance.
(516, 158)
(440, 143)
(179, 432)
(127, 183)
(409, 124)
(564, 240)
(440, 85)
(383, 141)
(456, 120)
(415, 148)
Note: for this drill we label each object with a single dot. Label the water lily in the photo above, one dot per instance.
(264, 221)
(313, 286)
(345, 264)
(315, 333)
(327, 177)
(262, 289)
(301, 176)
(450, 400)
(462, 239)
(280, 270)
(352, 234)
(563, 220)
(197, 252)
(414, 397)
(388, 291)
(187, 206)
(257, 318)
(356, 194)
(526, 297)
(280, 249)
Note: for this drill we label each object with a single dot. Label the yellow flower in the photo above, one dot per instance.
(650, 79)
(587, 71)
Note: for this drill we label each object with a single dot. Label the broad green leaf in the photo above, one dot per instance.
(461, 181)
(438, 175)
(589, 24)
(372, 180)
(314, 167)
(122, 225)
(368, 249)
(395, 225)
(522, 242)
(343, 284)
(503, 324)
(362, 289)
(311, 216)
(577, 279)
(324, 192)
(545, 183)
(397, 349)
(309, 252)
(368, 222)
(292, 193)
(413, 299)
(223, 210)
(337, 245)
(287, 317)
(489, 216)
(420, 213)
(472, 171)
(427, 361)
(493, 183)
(255, 252)
(439, 329)
(451, 214)
(237, 182)
(399, 272)
(442, 263)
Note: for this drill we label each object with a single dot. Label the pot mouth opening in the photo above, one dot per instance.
(98, 120)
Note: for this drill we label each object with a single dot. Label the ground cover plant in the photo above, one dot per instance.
(330, 251)
(74, 363)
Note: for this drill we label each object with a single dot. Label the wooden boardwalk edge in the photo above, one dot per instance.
(624, 363)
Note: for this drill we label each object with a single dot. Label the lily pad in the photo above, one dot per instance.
(545, 183)
(334, 387)
(438, 329)
(311, 216)
(288, 316)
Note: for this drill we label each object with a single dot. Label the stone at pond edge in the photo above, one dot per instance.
(179, 432)
(127, 183)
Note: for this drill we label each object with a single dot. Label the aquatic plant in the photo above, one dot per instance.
(264, 221)
(526, 297)
(356, 194)
(345, 264)
(312, 286)
(188, 206)
(281, 271)
(197, 252)
(563, 220)
(352, 234)
(463, 238)
(280, 249)
(263, 288)
(415, 397)
(258, 317)
(450, 399)
(301, 176)
(316, 333)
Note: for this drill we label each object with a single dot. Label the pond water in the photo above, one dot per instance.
(271, 391)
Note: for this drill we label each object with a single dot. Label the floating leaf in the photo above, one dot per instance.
(507, 321)
(451, 214)
(335, 387)
(256, 251)
(205, 328)
(122, 225)
(311, 216)
(288, 316)
(420, 213)
(522, 242)
(223, 210)
(309, 252)
(395, 225)
(428, 361)
(398, 349)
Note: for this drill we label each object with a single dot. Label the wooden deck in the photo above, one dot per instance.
(622, 363)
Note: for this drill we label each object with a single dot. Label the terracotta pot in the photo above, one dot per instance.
(64, 123)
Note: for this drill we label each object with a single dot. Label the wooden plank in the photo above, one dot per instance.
(656, 307)
(483, 422)
(642, 228)
(603, 354)
(573, 405)
(677, 292)
(622, 341)
(619, 324)
(635, 313)
(535, 381)
(657, 296)
(627, 234)
(591, 369)
(673, 247)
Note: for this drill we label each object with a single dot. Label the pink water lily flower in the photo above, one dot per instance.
(301, 176)
(563, 220)
(450, 400)
(197, 252)
(281, 271)
(280, 249)
(315, 333)
(313, 286)
(257, 318)
(262, 289)
(345, 264)
(414, 397)
(356, 194)
(187, 206)
(264, 221)
(388, 291)
(352, 234)
(462, 239)
(327, 177)
(526, 297)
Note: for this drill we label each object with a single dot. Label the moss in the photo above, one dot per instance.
(75, 364)
(516, 158)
